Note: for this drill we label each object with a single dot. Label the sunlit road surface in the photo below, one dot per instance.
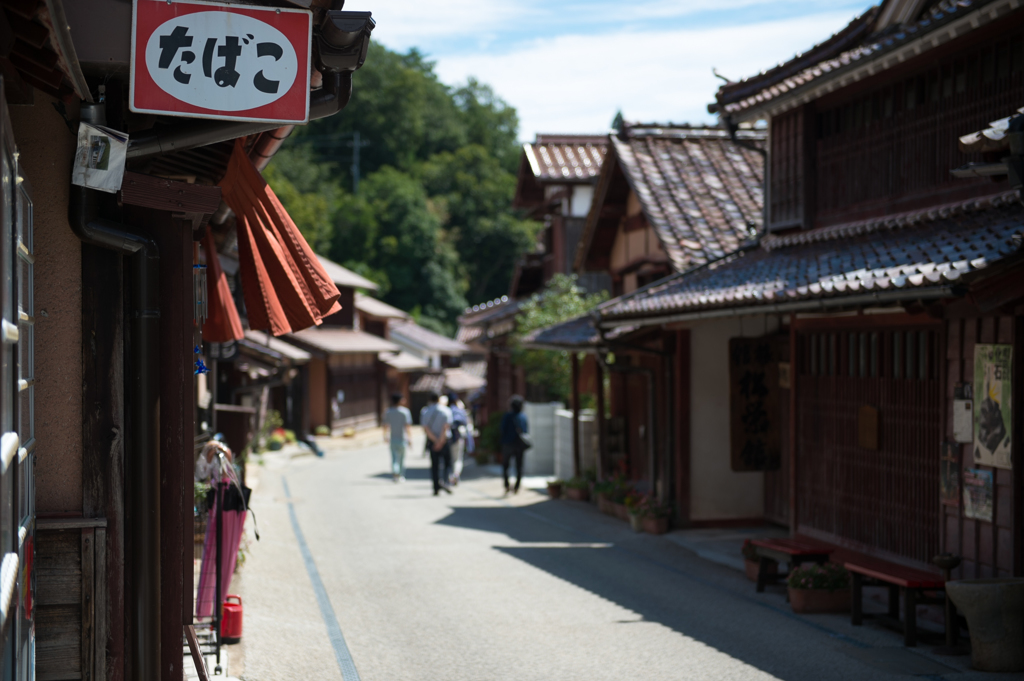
(481, 587)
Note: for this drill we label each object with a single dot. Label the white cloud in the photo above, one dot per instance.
(576, 83)
(407, 23)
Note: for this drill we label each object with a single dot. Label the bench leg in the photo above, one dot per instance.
(894, 602)
(762, 572)
(856, 602)
(909, 617)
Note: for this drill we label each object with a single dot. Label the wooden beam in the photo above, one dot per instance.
(160, 193)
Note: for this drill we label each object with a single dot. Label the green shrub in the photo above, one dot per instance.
(322, 430)
(577, 483)
(830, 576)
(490, 436)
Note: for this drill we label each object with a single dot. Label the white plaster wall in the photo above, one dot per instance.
(540, 459)
(716, 492)
(563, 442)
(582, 196)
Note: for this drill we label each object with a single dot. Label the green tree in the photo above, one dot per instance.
(475, 193)
(559, 302)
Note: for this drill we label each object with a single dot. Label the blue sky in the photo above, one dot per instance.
(569, 66)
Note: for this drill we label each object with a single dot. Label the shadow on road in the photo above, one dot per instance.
(756, 633)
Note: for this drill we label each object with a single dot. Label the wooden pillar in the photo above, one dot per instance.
(575, 413)
(794, 387)
(602, 447)
(682, 431)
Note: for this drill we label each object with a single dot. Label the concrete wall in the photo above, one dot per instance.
(46, 149)
(563, 442)
(540, 459)
(716, 492)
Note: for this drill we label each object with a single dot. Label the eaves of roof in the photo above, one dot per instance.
(775, 92)
(914, 256)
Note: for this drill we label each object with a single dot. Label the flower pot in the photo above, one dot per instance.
(819, 600)
(751, 567)
(655, 525)
(993, 608)
(636, 522)
(577, 493)
(604, 505)
(620, 511)
(554, 490)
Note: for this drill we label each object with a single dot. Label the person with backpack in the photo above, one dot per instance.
(515, 440)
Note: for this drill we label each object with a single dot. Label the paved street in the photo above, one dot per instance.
(478, 587)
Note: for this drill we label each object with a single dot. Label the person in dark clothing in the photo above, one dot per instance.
(513, 445)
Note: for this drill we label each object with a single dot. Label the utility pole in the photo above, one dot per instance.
(356, 145)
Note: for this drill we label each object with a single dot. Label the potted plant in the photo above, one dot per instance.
(602, 492)
(634, 511)
(752, 561)
(655, 515)
(555, 488)
(819, 588)
(577, 489)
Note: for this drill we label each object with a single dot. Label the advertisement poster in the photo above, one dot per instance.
(992, 417)
(978, 494)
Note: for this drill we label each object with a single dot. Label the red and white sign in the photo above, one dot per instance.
(229, 62)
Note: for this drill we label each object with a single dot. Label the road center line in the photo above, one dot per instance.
(341, 652)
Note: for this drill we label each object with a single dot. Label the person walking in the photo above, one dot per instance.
(398, 424)
(436, 420)
(514, 440)
(461, 436)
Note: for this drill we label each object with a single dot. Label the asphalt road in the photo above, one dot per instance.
(476, 586)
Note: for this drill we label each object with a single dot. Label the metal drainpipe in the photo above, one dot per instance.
(143, 385)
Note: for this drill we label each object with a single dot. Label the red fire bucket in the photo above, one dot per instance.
(231, 619)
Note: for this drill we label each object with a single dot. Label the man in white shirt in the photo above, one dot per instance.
(436, 420)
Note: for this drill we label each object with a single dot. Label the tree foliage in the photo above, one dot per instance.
(560, 301)
(432, 222)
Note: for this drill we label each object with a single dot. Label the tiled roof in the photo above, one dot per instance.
(854, 45)
(263, 342)
(992, 138)
(476, 368)
(428, 383)
(342, 276)
(912, 252)
(403, 361)
(378, 308)
(575, 333)
(335, 340)
(415, 334)
(462, 381)
(468, 334)
(566, 158)
(489, 320)
(700, 191)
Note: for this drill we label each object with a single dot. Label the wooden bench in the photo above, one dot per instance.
(900, 580)
(793, 551)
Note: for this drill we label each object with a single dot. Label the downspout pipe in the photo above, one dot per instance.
(327, 101)
(143, 445)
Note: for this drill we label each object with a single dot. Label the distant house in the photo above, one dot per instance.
(346, 379)
(555, 185)
(442, 357)
(670, 199)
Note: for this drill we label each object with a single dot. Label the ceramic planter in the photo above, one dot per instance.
(604, 505)
(636, 522)
(994, 609)
(655, 525)
(620, 511)
(577, 493)
(554, 490)
(819, 600)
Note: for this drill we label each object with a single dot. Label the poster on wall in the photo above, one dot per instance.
(992, 417)
(949, 474)
(755, 432)
(978, 494)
